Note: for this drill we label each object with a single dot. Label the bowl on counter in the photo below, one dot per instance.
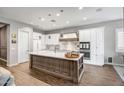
(72, 54)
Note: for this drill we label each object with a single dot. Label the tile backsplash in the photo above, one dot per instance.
(66, 46)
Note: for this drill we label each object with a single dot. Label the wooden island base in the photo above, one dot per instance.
(63, 68)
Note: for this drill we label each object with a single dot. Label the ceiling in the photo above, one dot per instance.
(51, 18)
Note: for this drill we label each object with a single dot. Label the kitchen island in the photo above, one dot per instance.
(55, 63)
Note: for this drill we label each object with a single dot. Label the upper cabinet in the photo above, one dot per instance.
(84, 35)
(119, 34)
(52, 39)
(38, 41)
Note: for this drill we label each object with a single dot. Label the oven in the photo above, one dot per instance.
(85, 49)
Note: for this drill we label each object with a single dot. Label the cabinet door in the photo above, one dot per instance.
(99, 60)
(97, 46)
(52, 39)
(35, 45)
(43, 43)
(100, 41)
(48, 39)
(93, 59)
(84, 36)
(38, 41)
(56, 39)
(93, 42)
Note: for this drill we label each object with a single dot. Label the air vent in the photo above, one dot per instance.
(109, 59)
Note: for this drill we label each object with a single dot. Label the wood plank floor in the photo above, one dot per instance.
(93, 76)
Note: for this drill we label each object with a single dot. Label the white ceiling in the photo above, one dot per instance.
(75, 16)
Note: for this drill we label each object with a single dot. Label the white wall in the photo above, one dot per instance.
(12, 49)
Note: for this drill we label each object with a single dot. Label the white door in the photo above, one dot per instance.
(23, 46)
(93, 46)
(97, 46)
(100, 46)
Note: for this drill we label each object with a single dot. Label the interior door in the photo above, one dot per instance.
(23, 46)
(93, 46)
(100, 46)
(97, 46)
(100, 42)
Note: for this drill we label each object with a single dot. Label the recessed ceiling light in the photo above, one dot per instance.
(57, 14)
(80, 8)
(67, 22)
(42, 19)
(84, 18)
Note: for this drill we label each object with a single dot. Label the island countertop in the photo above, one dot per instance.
(60, 55)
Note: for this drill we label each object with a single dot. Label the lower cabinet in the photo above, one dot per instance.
(97, 60)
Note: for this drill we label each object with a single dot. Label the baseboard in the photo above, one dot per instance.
(114, 64)
(94, 64)
(3, 60)
(11, 65)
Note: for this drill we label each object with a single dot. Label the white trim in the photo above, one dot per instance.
(94, 64)
(22, 30)
(114, 64)
(11, 65)
(3, 59)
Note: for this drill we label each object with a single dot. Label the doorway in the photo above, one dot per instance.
(3, 43)
(23, 45)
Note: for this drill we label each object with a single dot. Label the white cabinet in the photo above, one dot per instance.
(47, 39)
(119, 34)
(84, 35)
(97, 46)
(38, 41)
(96, 38)
(52, 39)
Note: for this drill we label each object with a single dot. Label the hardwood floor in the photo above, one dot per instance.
(93, 76)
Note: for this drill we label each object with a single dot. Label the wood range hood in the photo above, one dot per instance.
(69, 37)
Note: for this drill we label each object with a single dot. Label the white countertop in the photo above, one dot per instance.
(52, 54)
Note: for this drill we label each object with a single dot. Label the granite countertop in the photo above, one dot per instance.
(52, 54)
